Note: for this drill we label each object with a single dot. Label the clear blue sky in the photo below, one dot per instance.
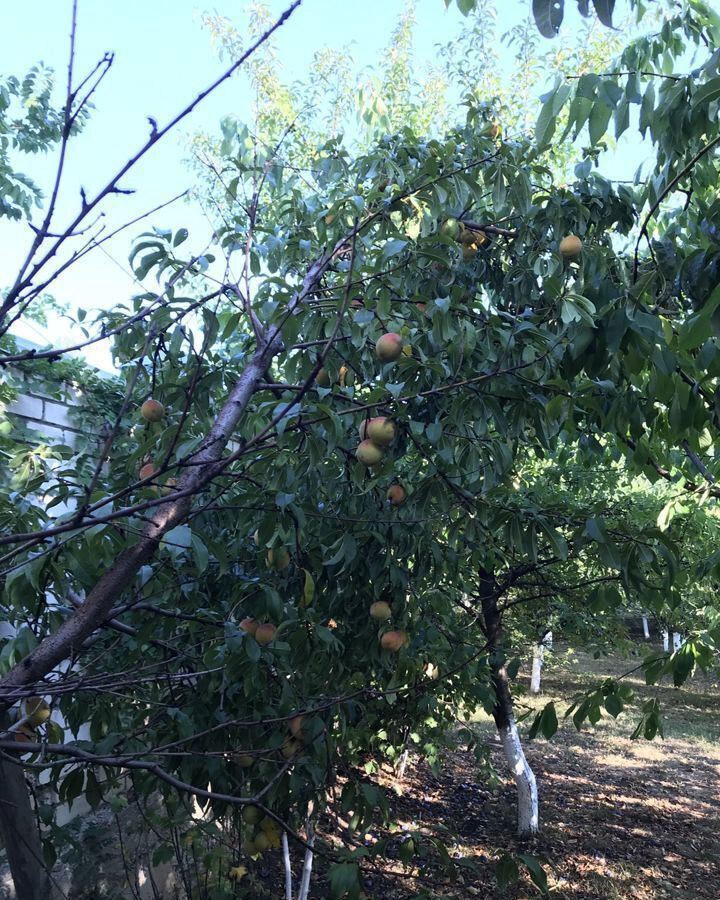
(163, 57)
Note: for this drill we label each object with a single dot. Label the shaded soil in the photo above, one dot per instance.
(620, 819)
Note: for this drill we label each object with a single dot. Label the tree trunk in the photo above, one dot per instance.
(402, 766)
(528, 819)
(538, 655)
(677, 640)
(304, 891)
(527, 803)
(666, 640)
(200, 469)
(19, 832)
(538, 660)
(646, 629)
(288, 870)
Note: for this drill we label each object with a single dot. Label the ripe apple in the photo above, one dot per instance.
(147, 471)
(265, 633)
(269, 826)
(296, 726)
(381, 431)
(380, 610)
(571, 246)
(357, 303)
(388, 347)
(322, 379)
(249, 625)
(329, 218)
(469, 251)
(24, 735)
(392, 641)
(38, 710)
(278, 558)
(152, 410)
(396, 494)
(369, 454)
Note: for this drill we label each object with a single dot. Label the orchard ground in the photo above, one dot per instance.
(621, 819)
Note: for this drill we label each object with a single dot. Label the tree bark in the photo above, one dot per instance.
(537, 664)
(646, 629)
(304, 891)
(538, 660)
(528, 819)
(666, 640)
(200, 469)
(288, 869)
(19, 832)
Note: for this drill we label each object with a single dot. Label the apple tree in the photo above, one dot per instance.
(312, 532)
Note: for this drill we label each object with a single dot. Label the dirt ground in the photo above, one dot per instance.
(620, 819)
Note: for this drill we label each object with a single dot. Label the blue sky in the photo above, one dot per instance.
(163, 57)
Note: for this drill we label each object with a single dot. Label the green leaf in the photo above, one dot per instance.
(537, 873)
(506, 871)
(707, 92)
(548, 16)
(545, 723)
(595, 530)
(308, 589)
(200, 553)
(604, 10)
(547, 120)
(344, 881)
(599, 120)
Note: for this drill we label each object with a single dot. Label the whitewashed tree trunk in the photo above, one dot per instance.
(666, 640)
(646, 629)
(303, 893)
(537, 664)
(402, 765)
(288, 870)
(528, 817)
(538, 660)
(677, 640)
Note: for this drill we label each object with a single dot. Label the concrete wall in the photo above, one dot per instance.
(51, 417)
